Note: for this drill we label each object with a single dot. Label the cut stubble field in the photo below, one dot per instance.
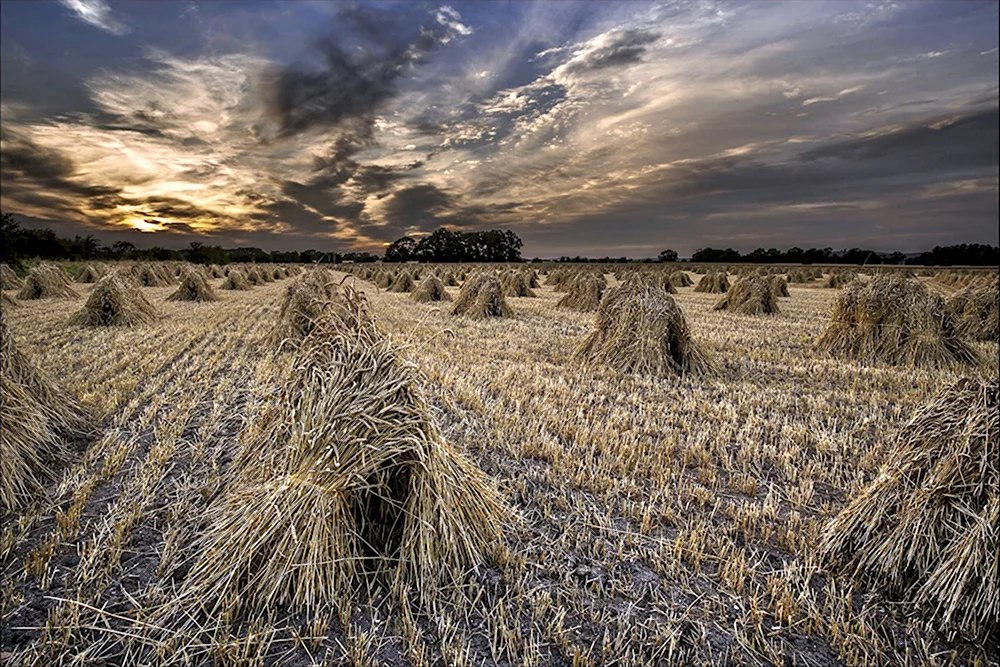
(656, 520)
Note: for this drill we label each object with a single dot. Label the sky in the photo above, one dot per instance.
(588, 128)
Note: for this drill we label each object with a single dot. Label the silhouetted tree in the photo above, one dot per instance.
(444, 245)
(401, 250)
(715, 255)
(972, 254)
(121, 250)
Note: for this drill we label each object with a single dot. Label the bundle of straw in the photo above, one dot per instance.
(116, 300)
(42, 426)
(640, 329)
(895, 321)
(925, 531)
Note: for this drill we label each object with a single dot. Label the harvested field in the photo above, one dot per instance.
(600, 512)
(838, 279)
(779, 286)
(42, 425)
(680, 279)
(254, 275)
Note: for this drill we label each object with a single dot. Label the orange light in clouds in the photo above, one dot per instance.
(146, 225)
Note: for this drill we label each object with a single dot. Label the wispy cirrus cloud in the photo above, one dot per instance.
(97, 13)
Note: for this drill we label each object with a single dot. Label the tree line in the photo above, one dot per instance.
(443, 245)
(965, 254)
(18, 243)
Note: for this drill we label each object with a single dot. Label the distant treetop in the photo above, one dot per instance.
(444, 245)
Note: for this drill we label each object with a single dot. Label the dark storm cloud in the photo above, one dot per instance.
(959, 141)
(361, 72)
(904, 218)
(301, 219)
(337, 188)
(180, 235)
(422, 206)
(326, 200)
(926, 151)
(428, 121)
(22, 155)
(139, 128)
(376, 178)
(337, 166)
(352, 83)
(930, 181)
(616, 48)
(37, 81)
(25, 165)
